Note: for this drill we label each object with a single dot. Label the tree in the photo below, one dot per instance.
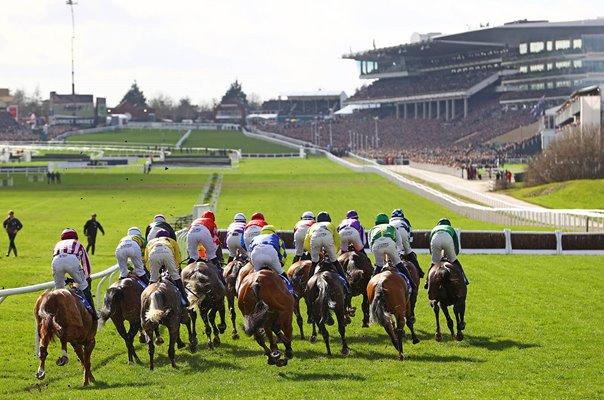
(135, 96)
(163, 106)
(186, 110)
(255, 101)
(235, 94)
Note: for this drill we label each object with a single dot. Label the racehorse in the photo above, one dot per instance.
(161, 304)
(267, 308)
(446, 287)
(205, 289)
(298, 274)
(325, 292)
(358, 270)
(414, 274)
(231, 272)
(59, 313)
(123, 303)
(247, 269)
(389, 297)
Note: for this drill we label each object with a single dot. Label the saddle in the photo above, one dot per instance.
(80, 296)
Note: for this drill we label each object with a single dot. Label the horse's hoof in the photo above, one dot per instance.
(312, 339)
(352, 311)
(415, 340)
(62, 361)
(438, 337)
(462, 326)
(401, 357)
(289, 354)
(159, 340)
(222, 327)
(142, 339)
(210, 346)
(365, 324)
(282, 362)
(41, 375)
(180, 344)
(216, 341)
(193, 347)
(235, 336)
(271, 361)
(345, 351)
(309, 320)
(412, 319)
(459, 336)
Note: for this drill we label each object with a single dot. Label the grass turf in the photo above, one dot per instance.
(584, 193)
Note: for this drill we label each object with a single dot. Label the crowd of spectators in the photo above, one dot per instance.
(11, 130)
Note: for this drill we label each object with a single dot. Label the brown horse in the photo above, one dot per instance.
(161, 304)
(325, 292)
(123, 303)
(247, 269)
(298, 274)
(205, 289)
(267, 308)
(231, 273)
(415, 278)
(446, 287)
(59, 313)
(389, 298)
(358, 273)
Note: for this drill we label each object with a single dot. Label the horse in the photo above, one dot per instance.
(446, 286)
(389, 297)
(205, 289)
(325, 292)
(231, 273)
(298, 274)
(247, 269)
(358, 270)
(161, 304)
(123, 303)
(267, 308)
(59, 313)
(414, 274)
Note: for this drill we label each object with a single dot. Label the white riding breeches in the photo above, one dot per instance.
(385, 246)
(442, 244)
(250, 233)
(265, 255)
(160, 256)
(233, 242)
(349, 235)
(322, 239)
(68, 264)
(129, 249)
(201, 234)
(299, 236)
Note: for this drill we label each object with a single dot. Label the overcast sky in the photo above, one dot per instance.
(197, 48)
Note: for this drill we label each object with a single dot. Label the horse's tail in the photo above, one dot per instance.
(49, 328)
(112, 298)
(324, 300)
(252, 322)
(157, 310)
(298, 277)
(378, 313)
(441, 276)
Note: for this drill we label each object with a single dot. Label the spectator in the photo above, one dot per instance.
(12, 225)
(90, 229)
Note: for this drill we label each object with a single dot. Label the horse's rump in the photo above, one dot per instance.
(446, 283)
(59, 313)
(377, 309)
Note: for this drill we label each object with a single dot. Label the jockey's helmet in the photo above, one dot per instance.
(162, 233)
(381, 218)
(352, 214)
(308, 215)
(69, 233)
(240, 217)
(268, 229)
(444, 221)
(258, 215)
(159, 218)
(323, 216)
(209, 214)
(397, 213)
(134, 231)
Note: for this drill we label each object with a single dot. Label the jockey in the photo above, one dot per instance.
(323, 235)
(403, 229)
(253, 228)
(300, 229)
(234, 236)
(443, 239)
(67, 256)
(268, 250)
(352, 232)
(159, 222)
(203, 230)
(384, 240)
(132, 246)
(163, 251)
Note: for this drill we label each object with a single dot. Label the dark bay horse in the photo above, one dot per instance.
(59, 313)
(414, 274)
(161, 304)
(298, 274)
(267, 308)
(358, 270)
(123, 303)
(447, 287)
(231, 272)
(325, 293)
(205, 289)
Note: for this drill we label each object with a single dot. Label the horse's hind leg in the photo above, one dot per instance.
(259, 336)
(365, 307)
(215, 329)
(400, 333)
(299, 318)
(174, 328)
(88, 347)
(64, 359)
(150, 347)
(134, 328)
(188, 322)
(449, 320)
(438, 336)
(325, 334)
(342, 330)
(221, 313)
(459, 309)
(42, 354)
(411, 326)
(204, 316)
(121, 329)
(231, 304)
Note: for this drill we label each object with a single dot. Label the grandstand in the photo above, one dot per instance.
(304, 106)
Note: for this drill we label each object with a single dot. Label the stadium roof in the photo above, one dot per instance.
(320, 94)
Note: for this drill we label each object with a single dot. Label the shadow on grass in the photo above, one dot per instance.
(492, 344)
(301, 376)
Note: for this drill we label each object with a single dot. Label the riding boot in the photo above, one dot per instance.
(378, 269)
(88, 296)
(313, 269)
(465, 278)
(183, 293)
(413, 258)
(190, 261)
(296, 259)
(144, 279)
(340, 271)
(428, 276)
(231, 258)
(404, 271)
(216, 264)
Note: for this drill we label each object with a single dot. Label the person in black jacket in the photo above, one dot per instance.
(12, 225)
(90, 229)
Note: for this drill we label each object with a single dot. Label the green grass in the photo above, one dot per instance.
(131, 136)
(585, 194)
(234, 140)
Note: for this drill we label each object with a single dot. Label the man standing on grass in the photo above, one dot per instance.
(12, 225)
(90, 229)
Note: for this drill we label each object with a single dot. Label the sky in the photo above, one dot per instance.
(197, 48)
